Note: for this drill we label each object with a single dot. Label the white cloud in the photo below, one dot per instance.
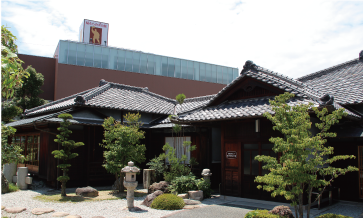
(290, 37)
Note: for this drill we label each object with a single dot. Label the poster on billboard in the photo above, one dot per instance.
(94, 32)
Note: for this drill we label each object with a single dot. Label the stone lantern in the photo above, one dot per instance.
(130, 182)
(206, 175)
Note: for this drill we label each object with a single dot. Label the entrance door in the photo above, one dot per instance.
(232, 162)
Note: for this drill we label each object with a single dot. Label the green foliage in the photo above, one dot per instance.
(13, 187)
(332, 215)
(183, 184)
(300, 165)
(27, 96)
(12, 72)
(66, 153)
(168, 202)
(122, 143)
(177, 165)
(158, 165)
(180, 98)
(9, 110)
(10, 153)
(261, 214)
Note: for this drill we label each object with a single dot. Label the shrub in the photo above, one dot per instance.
(205, 187)
(13, 187)
(283, 211)
(158, 165)
(331, 215)
(260, 214)
(168, 202)
(184, 184)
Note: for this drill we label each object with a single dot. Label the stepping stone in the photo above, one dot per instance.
(40, 211)
(15, 209)
(97, 217)
(191, 202)
(190, 206)
(2, 207)
(60, 214)
(73, 216)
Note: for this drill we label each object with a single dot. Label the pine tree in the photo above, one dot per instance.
(66, 153)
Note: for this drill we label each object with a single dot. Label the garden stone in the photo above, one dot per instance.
(4, 184)
(2, 207)
(196, 195)
(60, 214)
(39, 211)
(87, 192)
(190, 206)
(191, 202)
(9, 171)
(97, 217)
(73, 216)
(149, 198)
(21, 176)
(162, 186)
(184, 195)
(15, 209)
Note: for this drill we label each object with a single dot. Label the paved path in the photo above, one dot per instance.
(211, 211)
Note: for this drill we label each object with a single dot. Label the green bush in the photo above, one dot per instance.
(331, 215)
(13, 187)
(205, 187)
(183, 184)
(168, 202)
(260, 214)
(158, 164)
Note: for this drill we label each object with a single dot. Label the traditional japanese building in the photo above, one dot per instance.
(228, 127)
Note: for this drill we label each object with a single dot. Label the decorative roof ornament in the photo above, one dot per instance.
(361, 55)
(327, 100)
(79, 99)
(102, 82)
(249, 65)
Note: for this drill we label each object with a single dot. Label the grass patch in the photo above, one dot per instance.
(72, 197)
(13, 187)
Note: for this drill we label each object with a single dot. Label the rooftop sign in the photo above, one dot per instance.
(93, 32)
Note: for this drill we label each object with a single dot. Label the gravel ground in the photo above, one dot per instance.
(108, 208)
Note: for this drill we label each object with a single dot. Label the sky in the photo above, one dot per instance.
(294, 38)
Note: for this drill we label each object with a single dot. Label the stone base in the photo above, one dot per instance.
(133, 209)
(196, 195)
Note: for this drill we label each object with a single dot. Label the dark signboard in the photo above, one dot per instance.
(231, 154)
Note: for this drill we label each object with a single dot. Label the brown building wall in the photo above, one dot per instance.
(43, 65)
(72, 79)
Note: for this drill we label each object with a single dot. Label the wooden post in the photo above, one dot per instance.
(148, 177)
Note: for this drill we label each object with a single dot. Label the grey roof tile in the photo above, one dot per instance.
(343, 81)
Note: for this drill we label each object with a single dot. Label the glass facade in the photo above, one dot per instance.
(77, 53)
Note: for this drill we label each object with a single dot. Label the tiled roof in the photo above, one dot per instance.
(246, 108)
(38, 119)
(193, 103)
(112, 96)
(343, 81)
(278, 80)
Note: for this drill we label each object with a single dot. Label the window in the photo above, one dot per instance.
(30, 143)
(177, 144)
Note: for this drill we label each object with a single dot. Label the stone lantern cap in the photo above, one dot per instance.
(206, 172)
(130, 168)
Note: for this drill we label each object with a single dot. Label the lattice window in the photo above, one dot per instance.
(30, 143)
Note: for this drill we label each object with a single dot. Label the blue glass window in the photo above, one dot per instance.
(225, 75)
(150, 64)
(136, 62)
(190, 70)
(196, 71)
(121, 60)
(143, 63)
(72, 53)
(157, 65)
(171, 67)
(80, 54)
(235, 73)
(63, 52)
(164, 66)
(208, 72)
(128, 59)
(112, 61)
(219, 74)
(202, 72)
(97, 56)
(230, 75)
(177, 68)
(105, 54)
(214, 74)
(88, 59)
(184, 69)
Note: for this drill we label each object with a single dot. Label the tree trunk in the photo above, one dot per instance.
(309, 202)
(64, 194)
(301, 208)
(121, 187)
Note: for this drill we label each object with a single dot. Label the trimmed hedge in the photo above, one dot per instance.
(168, 202)
(261, 214)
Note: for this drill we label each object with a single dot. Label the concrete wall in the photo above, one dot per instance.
(43, 65)
(71, 79)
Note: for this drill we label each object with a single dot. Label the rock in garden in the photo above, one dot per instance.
(2, 207)
(39, 211)
(97, 217)
(73, 216)
(162, 186)
(15, 209)
(87, 192)
(149, 198)
(190, 206)
(283, 211)
(196, 195)
(117, 184)
(191, 202)
(60, 214)
(4, 184)
(184, 195)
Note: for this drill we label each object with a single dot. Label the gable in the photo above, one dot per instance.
(248, 88)
(87, 114)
